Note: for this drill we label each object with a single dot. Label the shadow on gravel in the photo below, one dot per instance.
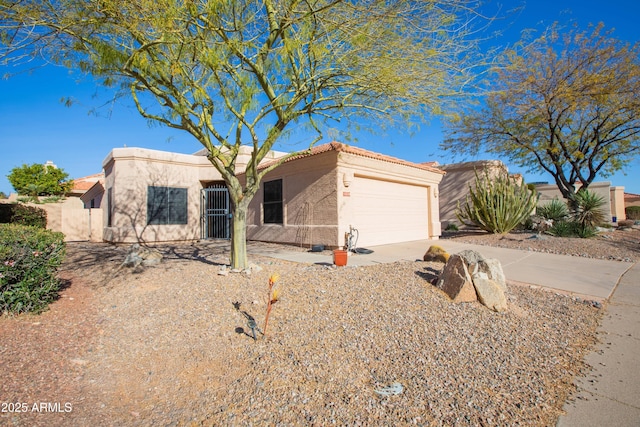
(86, 255)
(194, 253)
(251, 323)
(429, 274)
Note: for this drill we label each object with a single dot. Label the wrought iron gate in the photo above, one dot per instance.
(215, 213)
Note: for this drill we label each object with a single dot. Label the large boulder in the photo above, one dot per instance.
(491, 266)
(468, 276)
(456, 282)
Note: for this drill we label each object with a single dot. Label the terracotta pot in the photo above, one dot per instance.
(340, 257)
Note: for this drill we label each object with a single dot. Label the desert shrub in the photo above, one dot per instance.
(29, 260)
(17, 213)
(555, 210)
(564, 229)
(633, 212)
(589, 212)
(497, 204)
(451, 227)
(586, 215)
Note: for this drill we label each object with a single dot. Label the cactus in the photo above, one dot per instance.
(497, 205)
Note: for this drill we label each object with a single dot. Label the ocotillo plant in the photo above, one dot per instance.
(272, 298)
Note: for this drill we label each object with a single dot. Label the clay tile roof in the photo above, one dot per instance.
(86, 182)
(630, 197)
(344, 148)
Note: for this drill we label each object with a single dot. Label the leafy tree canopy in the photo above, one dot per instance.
(235, 72)
(40, 180)
(565, 103)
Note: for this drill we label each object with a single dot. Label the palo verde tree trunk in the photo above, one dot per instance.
(240, 197)
(239, 259)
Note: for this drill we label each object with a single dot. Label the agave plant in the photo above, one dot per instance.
(555, 210)
(497, 204)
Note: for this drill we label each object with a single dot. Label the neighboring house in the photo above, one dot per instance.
(454, 187)
(89, 189)
(313, 198)
(613, 197)
(77, 215)
(631, 199)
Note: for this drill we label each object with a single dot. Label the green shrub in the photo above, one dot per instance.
(555, 210)
(17, 213)
(497, 205)
(451, 227)
(589, 212)
(633, 212)
(29, 259)
(563, 229)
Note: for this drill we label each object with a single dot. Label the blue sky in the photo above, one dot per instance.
(35, 126)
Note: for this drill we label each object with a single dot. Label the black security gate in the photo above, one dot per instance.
(215, 213)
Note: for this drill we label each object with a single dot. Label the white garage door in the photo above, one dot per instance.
(389, 212)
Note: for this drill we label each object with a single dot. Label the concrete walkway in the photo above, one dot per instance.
(610, 392)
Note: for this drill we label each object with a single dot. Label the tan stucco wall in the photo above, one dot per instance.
(454, 187)
(70, 218)
(616, 198)
(320, 202)
(130, 171)
(632, 201)
(95, 193)
(310, 204)
(318, 205)
(397, 218)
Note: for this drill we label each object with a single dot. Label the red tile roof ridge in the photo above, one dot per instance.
(345, 148)
(86, 182)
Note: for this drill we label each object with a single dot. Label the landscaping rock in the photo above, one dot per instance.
(490, 293)
(493, 269)
(471, 257)
(468, 276)
(138, 255)
(436, 253)
(456, 282)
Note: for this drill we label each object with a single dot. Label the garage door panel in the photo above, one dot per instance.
(389, 212)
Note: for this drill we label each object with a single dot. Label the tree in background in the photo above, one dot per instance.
(40, 180)
(234, 72)
(566, 104)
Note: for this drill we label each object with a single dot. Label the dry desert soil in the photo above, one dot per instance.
(171, 345)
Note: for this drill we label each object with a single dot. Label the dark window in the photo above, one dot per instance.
(109, 207)
(166, 205)
(273, 202)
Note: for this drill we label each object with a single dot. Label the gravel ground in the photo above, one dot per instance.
(615, 244)
(170, 345)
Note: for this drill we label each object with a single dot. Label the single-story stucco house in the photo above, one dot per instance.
(311, 199)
